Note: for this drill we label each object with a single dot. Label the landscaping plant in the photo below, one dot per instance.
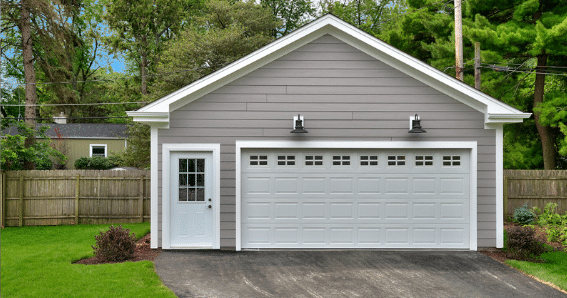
(524, 216)
(115, 245)
(523, 245)
(555, 223)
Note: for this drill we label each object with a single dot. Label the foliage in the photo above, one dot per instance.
(13, 152)
(45, 254)
(552, 269)
(225, 32)
(524, 216)
(94, 163)
(137, 154)
(290, 14)
(115, 245)
(555, 224)
(523, 245)
(141, 28)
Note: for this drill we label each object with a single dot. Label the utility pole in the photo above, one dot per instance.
(459, 41)
(477, 65)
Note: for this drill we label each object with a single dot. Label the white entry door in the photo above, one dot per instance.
(192, 209)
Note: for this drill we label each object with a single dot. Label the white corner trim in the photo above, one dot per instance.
(500, 186)
(167, 149)
(154, 188)
(98, 145)
(472, 145)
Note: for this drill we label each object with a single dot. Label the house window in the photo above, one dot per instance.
(369, 160)
(451, 160)
(98, 150)
(424, 160)
(341, 160)
(396, 160)
(258, 160)
(286, 160)
(314, 160)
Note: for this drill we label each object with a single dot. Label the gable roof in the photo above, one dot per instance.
(80, 130)
(494, 110)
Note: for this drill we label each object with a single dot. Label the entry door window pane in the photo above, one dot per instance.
(192, 180)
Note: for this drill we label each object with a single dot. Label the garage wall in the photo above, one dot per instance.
(343, 94)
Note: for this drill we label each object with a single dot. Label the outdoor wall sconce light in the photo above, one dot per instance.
(298, 124)
(415, 126)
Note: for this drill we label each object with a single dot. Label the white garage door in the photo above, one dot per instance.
(306, 198)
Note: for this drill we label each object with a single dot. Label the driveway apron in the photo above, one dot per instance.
(350, 273)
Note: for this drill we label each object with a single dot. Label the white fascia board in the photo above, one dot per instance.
(160, 119)
(506, 118)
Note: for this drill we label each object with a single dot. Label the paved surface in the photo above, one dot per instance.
(343, 274)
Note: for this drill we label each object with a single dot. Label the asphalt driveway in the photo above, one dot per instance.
(348, 273)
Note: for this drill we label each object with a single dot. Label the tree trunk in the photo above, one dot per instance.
(29, 78)
(144, 67)
(547, 141)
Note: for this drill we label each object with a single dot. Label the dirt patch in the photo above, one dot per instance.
(500, 255)
(142, 252)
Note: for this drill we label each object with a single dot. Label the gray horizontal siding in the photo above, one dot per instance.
(344, 94)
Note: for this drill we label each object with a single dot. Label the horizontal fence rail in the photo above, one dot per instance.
(66, 197)
(536, 188)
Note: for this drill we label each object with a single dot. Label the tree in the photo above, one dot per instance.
(137, 154)
(290, 14)
(225, 33)
(141, 27)
(526, 30)
(14, 153)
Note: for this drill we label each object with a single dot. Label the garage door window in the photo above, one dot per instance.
(369, 160)
(451, 160)
(423, 160)
(314, 160)
(396, 160)
(286, 160)
(341, 160)
(258, 160)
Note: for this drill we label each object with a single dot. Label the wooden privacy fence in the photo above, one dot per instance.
(33, 198)
(535, 188)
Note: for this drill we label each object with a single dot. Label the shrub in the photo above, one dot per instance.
(94, 163)
(523, 245)
(115, 245)
(524, 216)
(555, 224)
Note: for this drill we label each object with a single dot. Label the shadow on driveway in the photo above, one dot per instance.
(349, 273)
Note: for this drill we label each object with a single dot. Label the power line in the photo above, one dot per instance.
(75, 104)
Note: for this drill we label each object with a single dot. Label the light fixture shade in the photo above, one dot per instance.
(298, 125)
(416, 126)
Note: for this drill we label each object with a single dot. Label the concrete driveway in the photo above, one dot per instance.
(348, 273)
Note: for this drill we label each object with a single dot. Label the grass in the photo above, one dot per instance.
(554, 270)
(37, 262)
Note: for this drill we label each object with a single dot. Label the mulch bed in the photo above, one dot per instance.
(143, 252)
(500, 255)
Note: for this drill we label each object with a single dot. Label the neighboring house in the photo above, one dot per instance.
(76, 140)
(227, 172)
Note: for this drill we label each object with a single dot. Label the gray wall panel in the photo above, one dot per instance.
(343, 95)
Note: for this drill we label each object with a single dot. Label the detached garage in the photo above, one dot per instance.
(327, 138)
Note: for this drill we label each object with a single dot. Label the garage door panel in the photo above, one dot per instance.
(355, 199)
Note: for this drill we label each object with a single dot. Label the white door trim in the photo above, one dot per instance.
(359, 145)
(167, 150)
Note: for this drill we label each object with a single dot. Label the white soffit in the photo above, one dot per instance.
(494, 110)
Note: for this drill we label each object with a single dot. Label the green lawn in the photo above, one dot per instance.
(37, 262)
(554, 270)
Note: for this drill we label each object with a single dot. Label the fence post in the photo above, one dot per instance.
(77, 187)
(505, 203)
(141, 202)
(22, 189)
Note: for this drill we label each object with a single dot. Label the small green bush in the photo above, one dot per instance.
(523, 245)
(94, 163)
(555, 224)
(115, 245)
(524, 216)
